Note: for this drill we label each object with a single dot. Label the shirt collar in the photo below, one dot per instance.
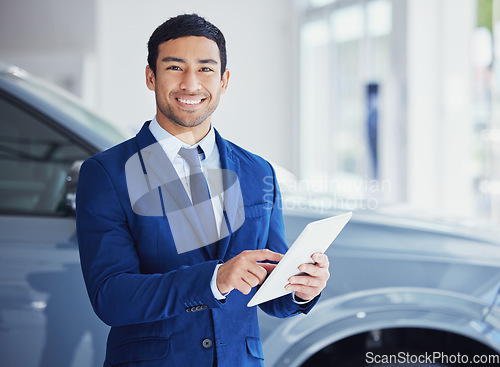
(171, 144)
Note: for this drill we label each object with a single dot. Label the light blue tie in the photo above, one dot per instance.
(200, 194)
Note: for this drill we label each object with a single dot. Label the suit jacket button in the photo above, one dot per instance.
(207, 343)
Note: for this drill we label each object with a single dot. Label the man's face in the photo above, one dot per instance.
(188, 81)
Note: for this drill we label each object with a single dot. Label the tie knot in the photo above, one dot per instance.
(191, 156)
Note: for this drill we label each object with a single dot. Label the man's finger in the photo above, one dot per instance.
(262, 255)
(304, 280)
(321, 260)
(251, 279)
(311, 269)
(268, 267)
(258, 271)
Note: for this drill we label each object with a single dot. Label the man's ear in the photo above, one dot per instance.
(150, 78)
(225, 80)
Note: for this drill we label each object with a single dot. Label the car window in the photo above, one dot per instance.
(34, 161)
(67, 103)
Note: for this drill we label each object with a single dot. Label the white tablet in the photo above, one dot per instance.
(316, 237)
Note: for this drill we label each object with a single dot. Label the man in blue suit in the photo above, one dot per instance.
(170, 273)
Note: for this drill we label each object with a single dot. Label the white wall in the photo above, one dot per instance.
(439, 106)
(49, 38)
(255, 112)
(97, 49)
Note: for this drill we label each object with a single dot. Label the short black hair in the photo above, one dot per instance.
(183, 26)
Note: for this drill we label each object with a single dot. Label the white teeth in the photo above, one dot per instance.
(188, 101)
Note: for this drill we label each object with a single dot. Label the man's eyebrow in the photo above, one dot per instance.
(173, 59)
(176, 59)
(208, 61)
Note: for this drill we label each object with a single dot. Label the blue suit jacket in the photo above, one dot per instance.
(158, 301)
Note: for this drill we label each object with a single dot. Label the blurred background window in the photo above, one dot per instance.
(399, 105)
(486, 99)
(345, 59)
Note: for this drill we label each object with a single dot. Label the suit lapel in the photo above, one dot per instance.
(232, 193)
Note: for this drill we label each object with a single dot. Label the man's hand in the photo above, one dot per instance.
(245, 271)
(308, 286)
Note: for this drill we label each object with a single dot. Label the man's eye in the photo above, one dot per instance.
(173, 67)
(206, 69)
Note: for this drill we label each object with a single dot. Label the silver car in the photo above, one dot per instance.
(45, 316)
(401, 290)
(403, 293)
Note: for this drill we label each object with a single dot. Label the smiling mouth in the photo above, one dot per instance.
(190, 101)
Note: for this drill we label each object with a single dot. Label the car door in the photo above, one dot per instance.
(45, 315)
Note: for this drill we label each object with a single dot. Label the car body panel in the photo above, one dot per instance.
(384, 276)
(43, 301)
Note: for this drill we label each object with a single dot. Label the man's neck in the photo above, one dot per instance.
(188, 135)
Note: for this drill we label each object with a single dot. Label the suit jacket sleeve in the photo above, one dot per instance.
(283, 306)
(118, 291)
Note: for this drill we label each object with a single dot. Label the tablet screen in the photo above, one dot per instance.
(316, 237)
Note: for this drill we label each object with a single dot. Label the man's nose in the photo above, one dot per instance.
(190, 82)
